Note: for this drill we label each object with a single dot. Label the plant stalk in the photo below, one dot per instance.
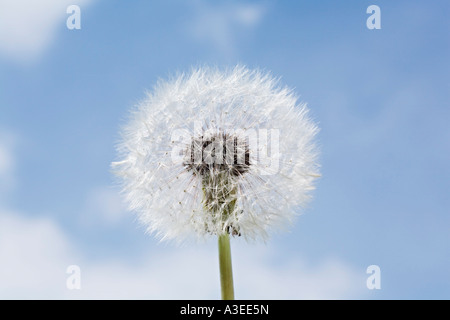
(226, 272)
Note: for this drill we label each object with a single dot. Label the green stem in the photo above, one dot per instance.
(226, 272)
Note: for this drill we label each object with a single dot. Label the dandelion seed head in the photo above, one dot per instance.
(218, 151)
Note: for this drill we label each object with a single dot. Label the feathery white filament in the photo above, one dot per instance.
(214, 152)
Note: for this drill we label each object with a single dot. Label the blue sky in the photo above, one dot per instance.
(381, 98)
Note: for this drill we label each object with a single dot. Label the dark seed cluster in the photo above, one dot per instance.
(218, 153)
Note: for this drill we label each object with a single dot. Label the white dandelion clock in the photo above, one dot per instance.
(225, 153)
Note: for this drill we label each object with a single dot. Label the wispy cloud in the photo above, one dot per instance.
(222, 24)
(27, 28)
(104, 206)
(260, 276)
(35, 254)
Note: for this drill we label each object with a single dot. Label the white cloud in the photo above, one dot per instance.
(260, 276)
(35, 254)
(221, 24)
(27, 28)
(193, 274)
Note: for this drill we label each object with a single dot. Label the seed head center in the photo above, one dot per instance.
(218, 153)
